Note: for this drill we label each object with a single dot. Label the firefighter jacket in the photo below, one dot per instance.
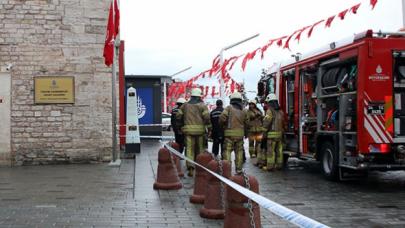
(255, 120)
(273, 123)
(194, 117)
(217, 130)
(234, 121)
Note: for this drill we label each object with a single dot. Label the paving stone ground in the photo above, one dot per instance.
(96, 195)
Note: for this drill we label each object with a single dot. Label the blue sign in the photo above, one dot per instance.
(145, 105)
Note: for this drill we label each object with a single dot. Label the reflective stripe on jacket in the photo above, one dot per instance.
(194, 118)
(273, 122)
(233, 121)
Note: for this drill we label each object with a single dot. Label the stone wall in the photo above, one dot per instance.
(57, 38)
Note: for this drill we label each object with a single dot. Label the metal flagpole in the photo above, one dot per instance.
(115, 159)
(221, 61)
(221, 79)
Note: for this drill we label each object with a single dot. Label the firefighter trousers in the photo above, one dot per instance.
(194, 146)
(236, 145)
(254, 143)
(274, 155)
(218, 143)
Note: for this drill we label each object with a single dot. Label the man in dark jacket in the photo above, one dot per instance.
(217, 131)
(178, 134)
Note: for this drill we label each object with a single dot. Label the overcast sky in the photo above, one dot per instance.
(163, 37)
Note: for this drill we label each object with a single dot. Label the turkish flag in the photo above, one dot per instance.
(355, 8)
(373, 3)
(329, 21)
(109, 39)
(313, 26)
(116, 18)
(113, 27)
(343, 14)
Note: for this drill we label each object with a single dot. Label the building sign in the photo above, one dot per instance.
(54, 90)
(145, 105)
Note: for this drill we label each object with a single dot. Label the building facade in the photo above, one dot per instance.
(54, 38)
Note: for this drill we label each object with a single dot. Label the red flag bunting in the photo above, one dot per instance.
(216, 61)
(249, 56)
(280, 41)
(213, 92)
(298, 37)
(238, 87)
(313, 26)
(355, 8)
(329, 21)
(265, 47)
(232, 86)
(373, 3)
(233, 60)
(223, 68)
(215, 65)
(343, 14)
(287, 42)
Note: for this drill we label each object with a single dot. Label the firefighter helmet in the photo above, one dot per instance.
(271, 97)
(196, 92)
(235, 95)
(181, 101)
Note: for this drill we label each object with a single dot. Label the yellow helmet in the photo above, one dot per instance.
(196, 92)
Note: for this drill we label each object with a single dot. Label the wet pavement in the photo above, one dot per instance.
(96, 195)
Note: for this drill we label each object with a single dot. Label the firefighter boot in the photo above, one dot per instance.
(270, 156)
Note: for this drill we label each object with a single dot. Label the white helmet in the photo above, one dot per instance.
(235, 95)
(181, 100)
(196, 92)
(253, 101)
(271, 97)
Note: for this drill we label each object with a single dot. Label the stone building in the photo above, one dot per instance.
(54, 38)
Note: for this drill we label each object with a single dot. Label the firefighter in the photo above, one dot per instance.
(261, 156)
(274, 125)
(178, 134)
(255, 129)
(194, 119)
(234, 121)
(217, 131)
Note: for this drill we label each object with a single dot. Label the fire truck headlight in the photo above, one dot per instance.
(378, 148)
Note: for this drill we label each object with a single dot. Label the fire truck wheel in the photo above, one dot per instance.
(329, 161)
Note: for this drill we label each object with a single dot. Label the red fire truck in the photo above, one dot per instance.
(345, 107)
